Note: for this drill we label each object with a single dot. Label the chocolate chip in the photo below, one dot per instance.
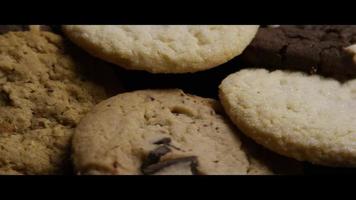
(152, 162)
(154, 156)
(151, 98)
(165, 141)
(185, 165)
(4, 99)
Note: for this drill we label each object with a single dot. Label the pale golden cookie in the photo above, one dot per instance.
(163, 48)
(308, 118)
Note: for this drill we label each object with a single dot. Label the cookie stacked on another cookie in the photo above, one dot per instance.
(46, 86)
(167, 132)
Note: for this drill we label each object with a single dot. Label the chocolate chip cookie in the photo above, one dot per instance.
(166, 132)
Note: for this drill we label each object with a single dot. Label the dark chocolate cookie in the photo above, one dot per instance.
(320, 49)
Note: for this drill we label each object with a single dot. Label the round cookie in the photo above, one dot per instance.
(163, 132)
(163, 48)
(308, 118)
(326, 50)
(45, 88)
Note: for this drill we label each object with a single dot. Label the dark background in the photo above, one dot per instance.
(203, 84)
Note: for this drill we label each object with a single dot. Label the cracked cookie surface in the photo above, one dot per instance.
(314, 49)
(168, 131)
(308, 118)
(45, 88)
(163, 48)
